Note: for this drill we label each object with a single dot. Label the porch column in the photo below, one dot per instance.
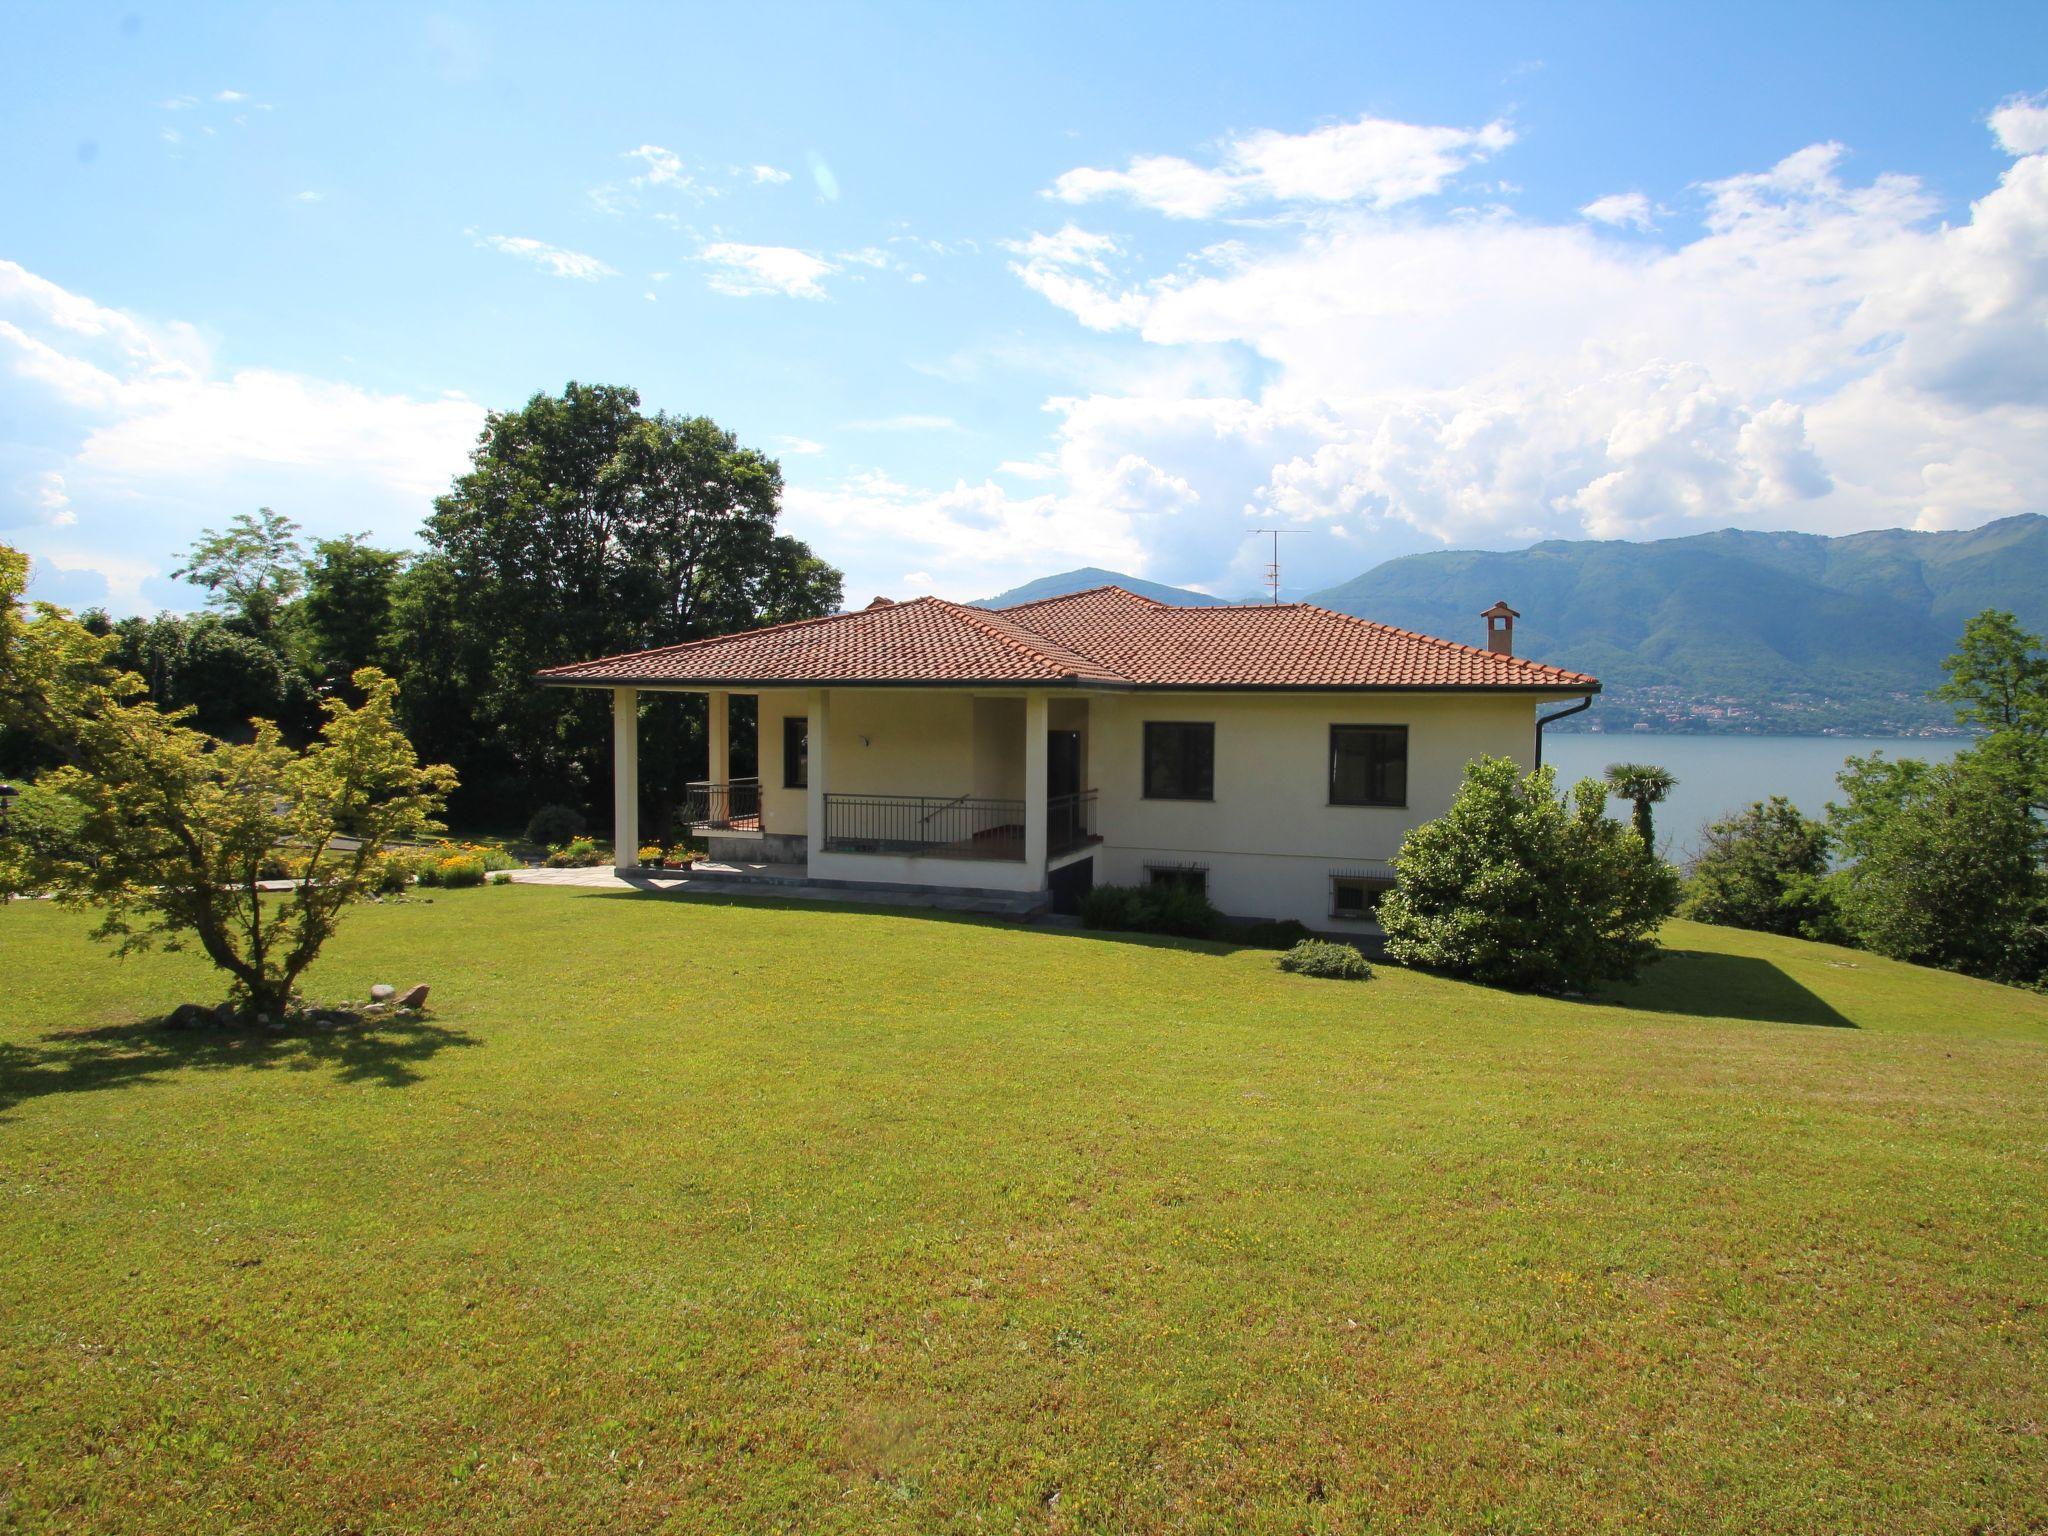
(718, 722)
(625, 779)
(1034, 784)
(817, 734)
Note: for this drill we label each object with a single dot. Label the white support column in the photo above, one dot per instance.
(718, 720)
(1034, 786)
(817, 734)
(625, 779)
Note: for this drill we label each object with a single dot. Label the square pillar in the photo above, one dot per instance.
(718, 734)
(817, 734)
(625, 779)
(1035, 778)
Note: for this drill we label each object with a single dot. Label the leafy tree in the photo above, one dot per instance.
(1945, 865)
(1764, 868)
(251, 569)
(343, 622)
(1998, 679)
(1645, 785)
(215, 668)
(169, 830)
(1517, 887)
(586, 527)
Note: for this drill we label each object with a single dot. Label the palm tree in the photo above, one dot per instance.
(1646, 784)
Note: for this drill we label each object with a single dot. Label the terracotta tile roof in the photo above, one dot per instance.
(1105, 636)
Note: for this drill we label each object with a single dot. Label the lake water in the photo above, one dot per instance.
(1718, 774)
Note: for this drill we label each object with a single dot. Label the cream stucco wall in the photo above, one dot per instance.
(1269, 839)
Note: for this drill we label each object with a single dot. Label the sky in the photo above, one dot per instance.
(1009, 290)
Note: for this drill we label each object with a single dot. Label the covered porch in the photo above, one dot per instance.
(920, 787)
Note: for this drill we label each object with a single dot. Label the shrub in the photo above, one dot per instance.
(578, 853)
(496, 859)
(1332, 962)
(1516, 887)
(499, 877)
(1176, 910)
(553, 825)
(396, 871)
(1764, 868)
(460, 870)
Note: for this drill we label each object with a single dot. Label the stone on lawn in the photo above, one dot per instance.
(189, 1016)
(416, 998)
(383, 992)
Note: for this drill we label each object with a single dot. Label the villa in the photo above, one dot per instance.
(1273, 756)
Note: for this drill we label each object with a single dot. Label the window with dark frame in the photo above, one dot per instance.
(1180, 760)
(1196, 880)
(796, 751)
(1357, 897)
(1369, 765)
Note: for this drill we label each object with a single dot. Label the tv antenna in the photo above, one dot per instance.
(1273, 566)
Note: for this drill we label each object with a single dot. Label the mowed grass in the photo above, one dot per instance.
(732, 1218)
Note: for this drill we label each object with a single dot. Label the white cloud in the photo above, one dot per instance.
(768, 175)
(1374, 161)
(822, 177)
(747, 270)
(1814, 351)
(145, 439)
(551, 259)
(798, 445)
(2021, 125)
(1621, 209)
(230, 96)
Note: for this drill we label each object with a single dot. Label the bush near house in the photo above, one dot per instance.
(1765, 868)
(554, 825)
(1174, 910)
(1516, 887)
(579, 853)
(1332, 962)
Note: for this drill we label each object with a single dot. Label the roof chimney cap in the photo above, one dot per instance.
(883, 602)
(1500, 629)
(1500, 611)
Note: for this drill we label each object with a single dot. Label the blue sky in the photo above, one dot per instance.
(1012, 290)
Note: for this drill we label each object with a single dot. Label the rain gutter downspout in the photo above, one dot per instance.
(1542, 720)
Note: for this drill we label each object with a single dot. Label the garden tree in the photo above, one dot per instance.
(343, 622)
(1764, 868)
(1998, 679)
(250, 569)
(1516, 887)
(212, 666)
(166, 831)
(1945, 865)
(586, 527)
(1644, 785)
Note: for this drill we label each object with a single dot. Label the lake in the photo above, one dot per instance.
(1718, 774)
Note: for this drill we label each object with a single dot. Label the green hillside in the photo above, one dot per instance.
(1735, 630)
(1093, 576)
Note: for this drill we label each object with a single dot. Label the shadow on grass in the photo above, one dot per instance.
(384, 1053)
(1706, 985)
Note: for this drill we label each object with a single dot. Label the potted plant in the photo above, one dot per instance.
(650, 857)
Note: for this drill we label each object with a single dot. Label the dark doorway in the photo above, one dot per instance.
(1069, 883)
(1062, 763)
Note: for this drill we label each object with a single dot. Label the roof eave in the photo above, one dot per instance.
(1545, 686)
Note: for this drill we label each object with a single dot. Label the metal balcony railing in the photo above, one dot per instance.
(733, 806)
(956, 827)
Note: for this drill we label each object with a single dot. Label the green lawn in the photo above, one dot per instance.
(720, 1217)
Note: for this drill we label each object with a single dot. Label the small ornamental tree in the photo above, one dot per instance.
(1516, 887)
(1765, 868)
(170, 830)
(1642, 785)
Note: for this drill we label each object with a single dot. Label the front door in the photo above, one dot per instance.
(1062, 763)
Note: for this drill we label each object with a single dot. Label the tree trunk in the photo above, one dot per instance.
(1644, 829)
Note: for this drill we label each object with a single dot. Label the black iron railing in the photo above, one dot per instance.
(925, 826)
(1069, 822)
(734, 806)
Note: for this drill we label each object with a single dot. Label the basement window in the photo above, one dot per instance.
(1187, 877)
(1356, 898)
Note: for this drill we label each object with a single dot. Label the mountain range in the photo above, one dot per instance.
(1778, 633)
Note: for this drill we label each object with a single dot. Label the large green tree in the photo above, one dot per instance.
(585, 527)
(1764, 867)
(343, 623)
(250, 569)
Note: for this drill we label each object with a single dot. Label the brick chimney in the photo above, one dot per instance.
(1500, 628)
(882, 602)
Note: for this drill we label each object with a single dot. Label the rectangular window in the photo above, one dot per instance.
(1180, 760)
(1368, 765)
(796, 752)
(1357, 897)
(1196, 880)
